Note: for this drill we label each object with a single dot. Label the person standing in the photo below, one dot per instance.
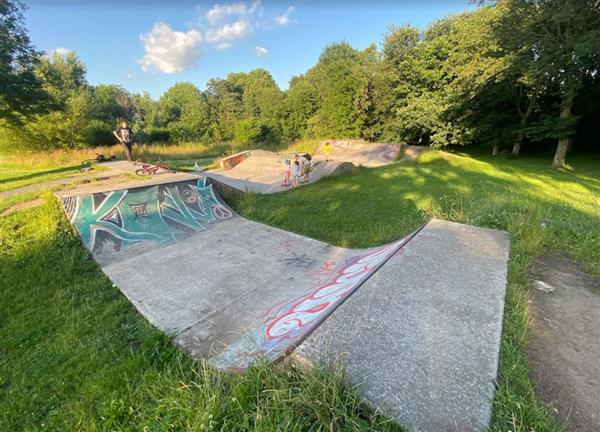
(326, 150)
(295, 173)
(305, 167)
(125, 136)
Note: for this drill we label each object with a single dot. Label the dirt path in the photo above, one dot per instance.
(564, 351)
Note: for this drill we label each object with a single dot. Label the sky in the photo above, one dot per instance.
(149, 45)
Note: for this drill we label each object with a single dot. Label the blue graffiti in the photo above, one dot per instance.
(159, 214)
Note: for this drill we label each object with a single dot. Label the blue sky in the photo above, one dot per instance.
(149, 45)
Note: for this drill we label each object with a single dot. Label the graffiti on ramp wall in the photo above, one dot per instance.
(161, 214)
(285, 325)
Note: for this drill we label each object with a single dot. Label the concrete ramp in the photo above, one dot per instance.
(225, 287)
(416, 323)
(263, 171)
(361, 153)
(421, 337)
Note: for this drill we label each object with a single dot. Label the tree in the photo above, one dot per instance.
(340, 79)
(62, 76)
(556, 44)
(300, 104)
(224, 99)
(21, 92)
(183, 110)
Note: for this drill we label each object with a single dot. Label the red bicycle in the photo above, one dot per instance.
(149, 169)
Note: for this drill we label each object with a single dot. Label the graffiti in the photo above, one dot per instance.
(326, 268)
(391, 152)
(287, 324)
(300, 261)
(285, 243)
(160, 214)
(231, 161)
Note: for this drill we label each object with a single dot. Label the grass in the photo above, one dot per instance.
(75, 355)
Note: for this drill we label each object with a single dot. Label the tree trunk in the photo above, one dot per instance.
(564, 143)
(517, 145)
(495, 149)
(561, 152)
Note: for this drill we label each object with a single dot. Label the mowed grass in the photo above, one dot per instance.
(75, 355)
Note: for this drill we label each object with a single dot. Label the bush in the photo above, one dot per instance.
(248, 131)
(253, 131)
(96, 133)
(152, 135)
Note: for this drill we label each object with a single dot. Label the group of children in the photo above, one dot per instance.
(297, 171)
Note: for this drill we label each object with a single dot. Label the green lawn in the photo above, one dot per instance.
(75, 355)
(13, 176)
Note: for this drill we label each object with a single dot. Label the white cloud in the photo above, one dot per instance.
(129, 76)
(169, 51)
(285, 18)
(219, 11)
(237, 30)
(224, 46)
(260, 51)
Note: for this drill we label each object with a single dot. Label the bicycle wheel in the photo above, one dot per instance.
(142, 172)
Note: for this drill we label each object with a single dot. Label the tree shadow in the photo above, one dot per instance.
(38, 174)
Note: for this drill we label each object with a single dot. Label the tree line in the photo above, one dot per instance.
(509, 74)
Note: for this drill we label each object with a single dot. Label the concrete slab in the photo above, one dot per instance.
(421, 338)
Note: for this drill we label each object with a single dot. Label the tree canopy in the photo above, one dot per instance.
(511, 74)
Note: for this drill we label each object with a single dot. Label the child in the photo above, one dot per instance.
(295, 173)
(288, 174)
(326, 151)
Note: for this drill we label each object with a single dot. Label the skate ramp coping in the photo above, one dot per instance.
(416, 323)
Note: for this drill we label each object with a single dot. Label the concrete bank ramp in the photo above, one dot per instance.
(421, 337)
(225, 287)
(361, 153)
(263, 171)
(416, 323)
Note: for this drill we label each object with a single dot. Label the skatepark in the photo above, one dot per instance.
(263, 171)
(416, 323)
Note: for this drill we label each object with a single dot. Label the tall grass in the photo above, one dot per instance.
(189, 151)
(146, 152)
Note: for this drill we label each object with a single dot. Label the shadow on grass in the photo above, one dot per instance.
(40, 174)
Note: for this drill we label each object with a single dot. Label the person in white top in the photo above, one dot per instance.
(304, 168)
(295, 173)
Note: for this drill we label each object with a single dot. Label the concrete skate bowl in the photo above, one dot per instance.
(418, 334)
(263, 171)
